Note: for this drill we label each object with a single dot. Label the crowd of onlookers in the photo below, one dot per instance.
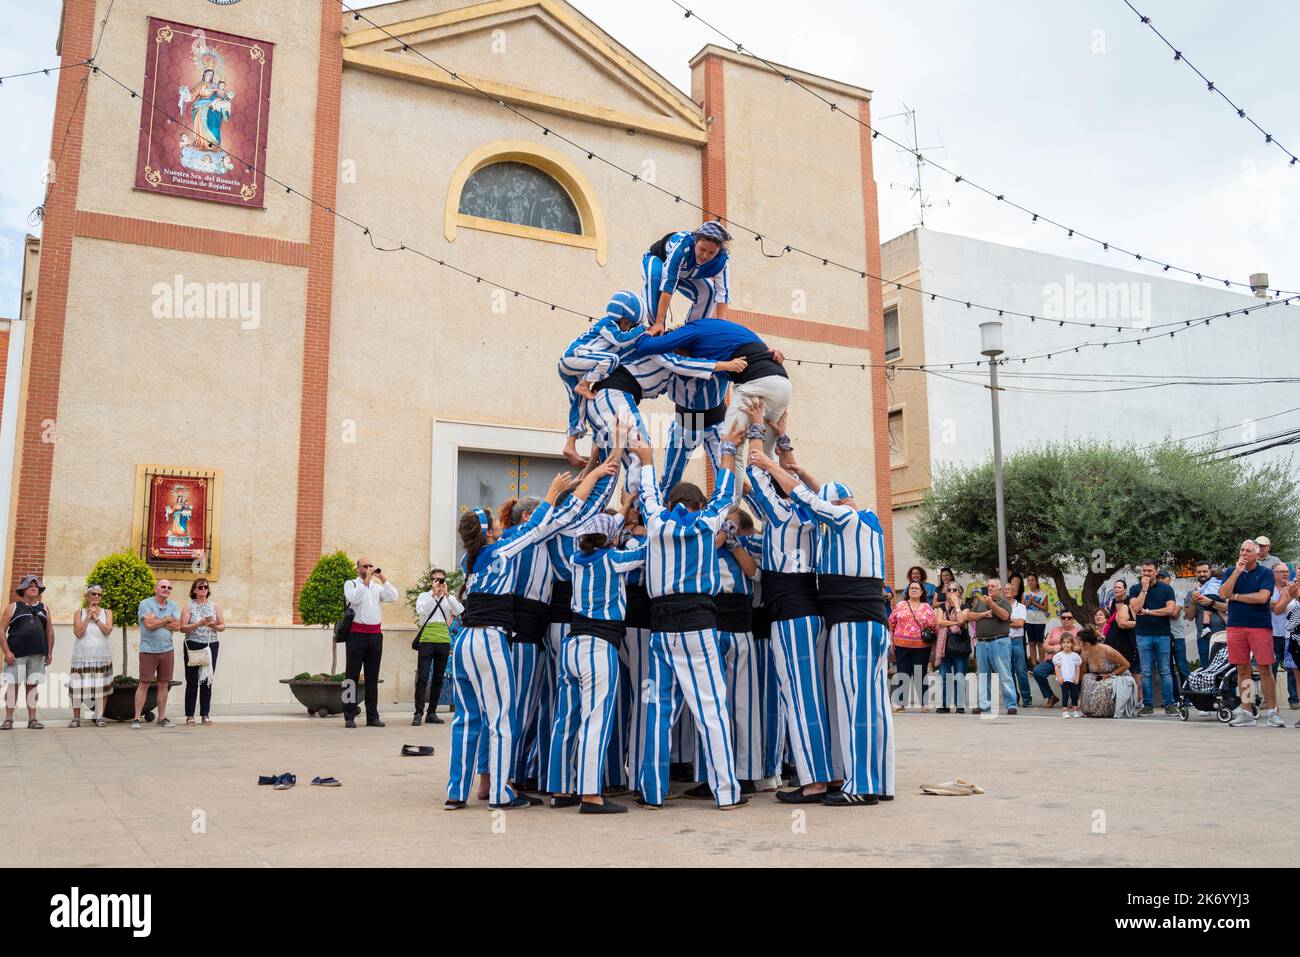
(1138, 635)
(27, 641)
(1015, 634)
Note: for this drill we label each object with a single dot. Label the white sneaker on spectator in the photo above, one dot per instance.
(1242, 719)
(1274, 720)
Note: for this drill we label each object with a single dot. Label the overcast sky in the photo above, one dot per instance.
(1073, 109)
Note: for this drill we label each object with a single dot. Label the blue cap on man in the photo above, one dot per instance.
(835, 492)
(626, 306)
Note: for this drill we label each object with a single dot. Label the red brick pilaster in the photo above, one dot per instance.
(876, 342)
(320, 292)
(41, 420)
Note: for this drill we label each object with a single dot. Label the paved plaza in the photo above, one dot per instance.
(1152, 791)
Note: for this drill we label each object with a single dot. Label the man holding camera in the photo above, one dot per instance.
(991, 613)
(365, 644)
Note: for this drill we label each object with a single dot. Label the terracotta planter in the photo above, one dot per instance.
(321, 698)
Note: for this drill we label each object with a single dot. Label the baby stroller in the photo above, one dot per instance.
(1214, 687)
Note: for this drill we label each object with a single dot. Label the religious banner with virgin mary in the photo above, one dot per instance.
(206, 106)
(178, 517)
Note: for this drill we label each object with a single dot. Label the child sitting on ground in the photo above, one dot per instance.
(1067, 663)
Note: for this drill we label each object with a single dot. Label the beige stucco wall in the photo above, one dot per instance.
(197, 392)
(412, 342)
(113, 117)
(798, 172)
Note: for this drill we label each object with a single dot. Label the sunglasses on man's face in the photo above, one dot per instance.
(439, 581)
(164, 587)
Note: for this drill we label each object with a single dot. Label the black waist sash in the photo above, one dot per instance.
(611, 631)
(561, 602)
(735, 612)
(678, 613)
(790, 595)
(849, 598)
(489, 611)
(638, 607)
(761, 364)
(623, 381)
(762, 623)
(697, 420)
(531, 618)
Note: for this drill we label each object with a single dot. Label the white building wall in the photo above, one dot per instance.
(1262, 343)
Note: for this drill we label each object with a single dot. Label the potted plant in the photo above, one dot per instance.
(126, 580)
(321, 603)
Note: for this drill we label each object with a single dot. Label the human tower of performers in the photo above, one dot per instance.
(598, 649)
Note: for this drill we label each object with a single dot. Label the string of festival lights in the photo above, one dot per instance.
(371, 234)
(1071, 232)
(1210, 85)
(759, 236)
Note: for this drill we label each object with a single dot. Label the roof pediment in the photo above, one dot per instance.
(537, 54)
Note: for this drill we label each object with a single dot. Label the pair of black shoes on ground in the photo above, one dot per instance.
(431, 719)
(833, 796)
(352, 723)
(949, 710)
(588, 807)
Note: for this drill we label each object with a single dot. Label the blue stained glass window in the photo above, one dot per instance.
(518, 193)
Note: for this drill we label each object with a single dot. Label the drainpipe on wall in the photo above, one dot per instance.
(9, 426)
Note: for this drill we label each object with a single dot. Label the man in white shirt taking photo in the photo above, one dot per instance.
(365, 644)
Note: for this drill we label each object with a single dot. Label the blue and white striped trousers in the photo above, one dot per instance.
(860, 659)
(484, 687)
(602, 414)
(616, 759)
(686, 667)
(702, 293)
(681, 444)
(740, 675)
(800, 674)
(591, 364)
(635, 654)
(549, 669)
(773, 723)
(523, 707)
(584, 714)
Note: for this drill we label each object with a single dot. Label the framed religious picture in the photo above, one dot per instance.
(177, 519)
(205, 110)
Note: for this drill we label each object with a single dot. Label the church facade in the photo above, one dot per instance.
(282, 374)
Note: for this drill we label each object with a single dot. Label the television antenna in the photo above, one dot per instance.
(916, 187)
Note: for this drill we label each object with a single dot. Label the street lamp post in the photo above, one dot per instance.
(991, 346)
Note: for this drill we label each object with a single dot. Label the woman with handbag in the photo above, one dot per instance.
(435, 608)
(952, 650)
(912, 624)
(201, 623)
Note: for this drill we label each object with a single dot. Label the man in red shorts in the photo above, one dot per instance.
(1248, 590)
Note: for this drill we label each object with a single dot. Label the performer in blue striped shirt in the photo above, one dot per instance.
(585, 711)
(694, 263)
(798, 643)
(685, 662)
(619, 396)
(851, 572)
(534, 670)
(483, 677)
(593, 355)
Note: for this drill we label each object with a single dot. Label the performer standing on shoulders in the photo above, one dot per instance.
(692, 263)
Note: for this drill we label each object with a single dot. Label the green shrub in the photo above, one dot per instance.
(321, 601)
(126, 580)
